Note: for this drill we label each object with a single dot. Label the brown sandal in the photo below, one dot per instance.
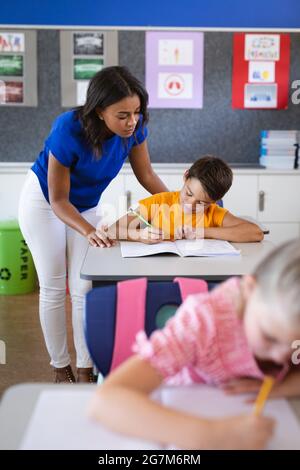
(64, 375)
(85, 375)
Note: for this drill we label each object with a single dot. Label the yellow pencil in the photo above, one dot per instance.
(263, 394)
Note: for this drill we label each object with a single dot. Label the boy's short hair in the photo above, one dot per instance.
(214, 175)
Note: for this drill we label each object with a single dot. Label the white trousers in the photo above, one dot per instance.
(56, 250)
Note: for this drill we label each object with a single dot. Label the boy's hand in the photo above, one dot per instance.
(150, 235)
(188, 232)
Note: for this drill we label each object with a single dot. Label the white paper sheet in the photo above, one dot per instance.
(211, 402)
(59, 420)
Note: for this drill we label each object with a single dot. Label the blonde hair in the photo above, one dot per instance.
(278, 279)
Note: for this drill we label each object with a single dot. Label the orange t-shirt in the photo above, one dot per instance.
(164, 211)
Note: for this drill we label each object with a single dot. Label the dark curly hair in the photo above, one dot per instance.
(107, 87)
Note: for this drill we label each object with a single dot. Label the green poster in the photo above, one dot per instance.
(11, 65)
(84, 69)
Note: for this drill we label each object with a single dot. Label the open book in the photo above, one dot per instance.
(200, 247)
(60, 421)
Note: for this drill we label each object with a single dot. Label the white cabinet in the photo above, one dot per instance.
(279, 205)
(135, 191)
(279, 198)
(271, 197)
(280, 233)
(241, 199)
(113, 203)
(11, 183)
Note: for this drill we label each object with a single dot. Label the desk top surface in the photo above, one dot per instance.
(19, 401)
(107, 264)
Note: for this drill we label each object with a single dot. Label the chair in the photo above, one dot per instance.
(108, 337)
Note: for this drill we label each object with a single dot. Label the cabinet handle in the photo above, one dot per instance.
(261, 201)
(128, 199)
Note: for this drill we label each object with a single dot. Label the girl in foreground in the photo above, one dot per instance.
(243, 328)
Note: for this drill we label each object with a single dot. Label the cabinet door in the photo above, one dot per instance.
(10, 189)
(135, 191)
(279, 198)
(280, 233)
(241, 199)
(112, 204)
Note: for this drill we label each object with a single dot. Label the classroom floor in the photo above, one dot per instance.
(27, 359)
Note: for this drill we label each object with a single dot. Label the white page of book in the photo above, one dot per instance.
(212, 402)
(60, 421)
(205, 247)
(136, 249)
(200, 247)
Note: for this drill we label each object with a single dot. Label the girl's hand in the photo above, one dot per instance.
(240, 433)
(289, 387)
(100, 237)
(240, 386)
(150, 235)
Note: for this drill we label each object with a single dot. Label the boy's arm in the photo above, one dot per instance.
(235, 229)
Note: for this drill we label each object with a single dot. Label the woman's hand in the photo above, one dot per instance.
(150, 235)
(100, 237)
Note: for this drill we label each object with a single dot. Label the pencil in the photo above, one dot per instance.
(140, 217)
(263, 394)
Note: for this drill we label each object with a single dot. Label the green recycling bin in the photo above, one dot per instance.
(17, 272)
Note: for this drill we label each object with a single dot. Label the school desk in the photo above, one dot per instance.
(106, 265)
(51, 416)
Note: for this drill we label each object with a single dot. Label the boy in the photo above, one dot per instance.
(190, 213)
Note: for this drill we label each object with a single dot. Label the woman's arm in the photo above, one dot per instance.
(235, 229)
(128, 228)
(140, 162)
(59, 189)
(122, 403)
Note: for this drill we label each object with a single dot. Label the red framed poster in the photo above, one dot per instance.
(260, 74)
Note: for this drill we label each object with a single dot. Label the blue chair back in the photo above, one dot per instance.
(162, 301)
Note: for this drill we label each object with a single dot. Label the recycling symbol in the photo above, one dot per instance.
(5, 274)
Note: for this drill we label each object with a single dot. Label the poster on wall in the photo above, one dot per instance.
(88, 43)
(11, 65)
(11, 92)
(12, 42)
(83, 54)
(85, 69)
(18, 68)
(174, 69)
(260, 74)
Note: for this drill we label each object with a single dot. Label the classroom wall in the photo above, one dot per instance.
(175, 135)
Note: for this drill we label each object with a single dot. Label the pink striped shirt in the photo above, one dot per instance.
(203, 342)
